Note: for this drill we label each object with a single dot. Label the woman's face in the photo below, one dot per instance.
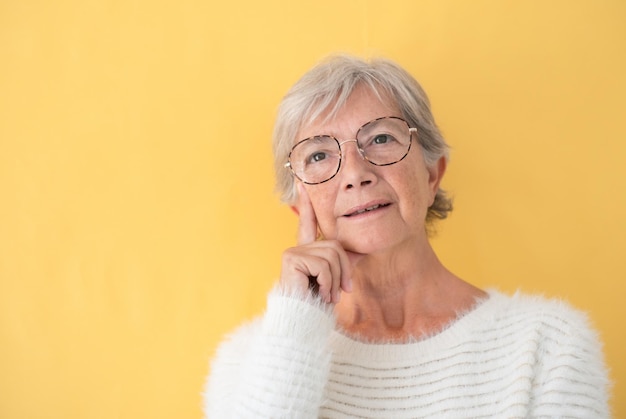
(399, 194)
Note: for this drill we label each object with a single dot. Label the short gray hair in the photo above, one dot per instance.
(327, 87)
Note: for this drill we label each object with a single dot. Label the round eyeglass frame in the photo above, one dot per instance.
(361, 152)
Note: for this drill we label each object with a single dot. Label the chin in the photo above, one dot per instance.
(365, 247)
(376, 241)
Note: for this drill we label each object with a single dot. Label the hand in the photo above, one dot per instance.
(320, 266)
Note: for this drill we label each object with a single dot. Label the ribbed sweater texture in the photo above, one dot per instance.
(509, 357)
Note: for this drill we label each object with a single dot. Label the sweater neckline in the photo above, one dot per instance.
(454, 333)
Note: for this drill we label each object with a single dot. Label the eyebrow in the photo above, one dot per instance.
(328, 134)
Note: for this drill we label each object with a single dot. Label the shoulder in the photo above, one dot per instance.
(565, 343)
(234, 348)
(286, 344)
(548, 315)
(568, 363)
(286, 315)
(289, 320)
(237, 343)
(226, 367)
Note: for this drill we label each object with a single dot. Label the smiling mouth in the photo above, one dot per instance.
(364, 210)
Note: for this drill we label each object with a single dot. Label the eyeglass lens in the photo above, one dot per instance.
(383, 141)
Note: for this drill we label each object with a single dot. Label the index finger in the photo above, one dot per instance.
(307, 224)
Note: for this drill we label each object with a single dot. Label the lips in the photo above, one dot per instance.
(365, 208)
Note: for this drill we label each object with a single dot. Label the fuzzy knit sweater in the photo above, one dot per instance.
(509, 357)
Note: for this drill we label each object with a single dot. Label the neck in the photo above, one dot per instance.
(403, 294)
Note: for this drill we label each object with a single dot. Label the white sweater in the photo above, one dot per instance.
(509, 357)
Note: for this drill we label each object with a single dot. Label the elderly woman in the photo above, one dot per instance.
(366, 321)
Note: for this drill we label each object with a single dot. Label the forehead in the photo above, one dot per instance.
(363, 105)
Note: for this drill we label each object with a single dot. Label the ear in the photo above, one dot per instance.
(435, 174)
(294, 209)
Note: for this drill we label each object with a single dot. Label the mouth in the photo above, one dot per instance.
(363, 210)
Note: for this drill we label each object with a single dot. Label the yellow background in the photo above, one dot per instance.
(138, 222)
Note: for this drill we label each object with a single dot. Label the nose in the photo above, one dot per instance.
(355, 169)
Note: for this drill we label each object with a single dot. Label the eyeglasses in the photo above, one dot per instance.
(382, 142)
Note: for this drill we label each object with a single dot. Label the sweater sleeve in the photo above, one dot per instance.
(572, 379)
(276, 367)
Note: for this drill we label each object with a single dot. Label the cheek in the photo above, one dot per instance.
(326, 224)
(323, 205)
(417, 194)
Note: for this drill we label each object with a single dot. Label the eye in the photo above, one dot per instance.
(382, 139)
(317, 157)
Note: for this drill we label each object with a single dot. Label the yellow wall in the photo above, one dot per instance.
(138, 222)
